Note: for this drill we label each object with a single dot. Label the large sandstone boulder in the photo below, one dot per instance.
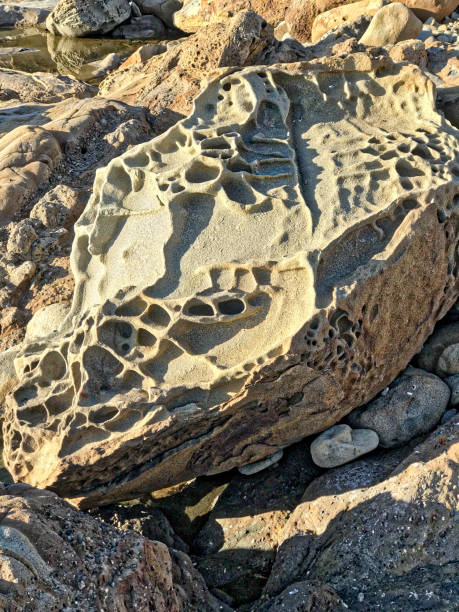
(54, 558)
(241, 278)
(381, 533)
(82, 18)
(198, 13)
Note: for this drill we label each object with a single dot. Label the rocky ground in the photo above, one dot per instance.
(360, 516)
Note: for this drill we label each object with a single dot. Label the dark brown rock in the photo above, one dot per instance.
(379, 531)
(53, 558)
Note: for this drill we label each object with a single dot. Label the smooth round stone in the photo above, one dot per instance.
(258, 466)
(341, 444)
(453, 384)
(413, 404)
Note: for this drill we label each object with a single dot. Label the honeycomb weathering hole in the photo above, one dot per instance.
(222, 271)
(200, 310)
(231, 307)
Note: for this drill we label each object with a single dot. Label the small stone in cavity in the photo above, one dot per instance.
(341, 444)
(258, 466)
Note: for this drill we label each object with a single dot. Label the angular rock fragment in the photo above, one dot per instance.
(341, 444)
(240, 280)
(413, 405)
(168, 84)
(380, 532)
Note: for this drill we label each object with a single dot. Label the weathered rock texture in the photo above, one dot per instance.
(412, 405)
(29, 154)
(301, 15)
(53, 558)
(343, 13)
(168, 83)
(383, 536)
(240, 281)
(21, 16)
(196, 14)
(80, 17)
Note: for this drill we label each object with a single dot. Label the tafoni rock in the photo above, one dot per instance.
(241, 278)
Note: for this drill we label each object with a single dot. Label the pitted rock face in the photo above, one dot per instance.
(243, 280)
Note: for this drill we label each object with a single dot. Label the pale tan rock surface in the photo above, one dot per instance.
(301, 14)
(341, 444)
(83, 18)
(196, 14)
(45, 321)
(412, 51)
(185, 331)
(344, 13)
(54, 558)
(390, 25)
(381, 533)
